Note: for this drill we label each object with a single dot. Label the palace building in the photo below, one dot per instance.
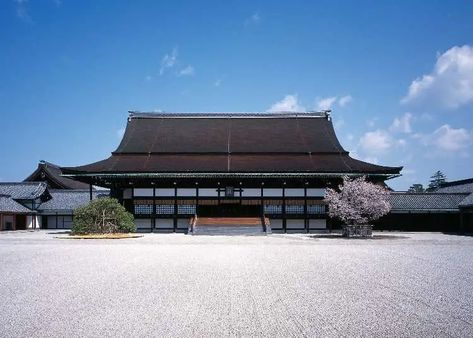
(274, 167)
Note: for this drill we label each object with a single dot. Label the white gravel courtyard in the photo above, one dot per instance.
(173, 285)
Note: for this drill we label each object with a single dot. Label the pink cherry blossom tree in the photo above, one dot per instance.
(357, 202)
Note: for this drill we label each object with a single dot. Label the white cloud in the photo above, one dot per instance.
(254, 19)
(168, 61)
(344, 100)
(288, 104)
(187, 71)
(450, 139)
(402, 124)
(449, 85)
(326, 103)
(22, 10)
(379, 141)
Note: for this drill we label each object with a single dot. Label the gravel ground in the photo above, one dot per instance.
(418, 285)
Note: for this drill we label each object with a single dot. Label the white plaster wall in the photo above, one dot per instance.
(208, 192)
(182, 223)
(164, 223)
(251, 192)
(295, 224)
(29, 222)
(316, 192)
(292, 192)
(143, 223)
(143, 192)
(165, 192)
(317, 224)
(186, 192)
(276, 223)
(272, 192)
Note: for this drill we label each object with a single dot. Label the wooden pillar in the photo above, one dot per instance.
(284, 224)
(306, 220)
(153, 221)
(90, 192)
(1, 221)
(175, 210)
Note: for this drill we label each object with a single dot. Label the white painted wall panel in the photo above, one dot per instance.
(317, 224)
(183, 223)
(251, 192)
(143, 223)
(143, 192)
(165, 192)
(276, 223)
(270, 192)
(295, 224)
(208, 192)
(291, 192)
(316, 192)
(186, 192)
(164, 223)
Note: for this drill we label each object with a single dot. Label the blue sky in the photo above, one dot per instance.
(398, 75)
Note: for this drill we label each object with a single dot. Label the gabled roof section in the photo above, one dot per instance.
(24, 190)
(51, 174)
(465, 186)
(8, 205)
(148, 133)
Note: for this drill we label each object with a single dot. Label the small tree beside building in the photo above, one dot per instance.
(416, 188)
(102, 216)
(436, 180)
(357, 203)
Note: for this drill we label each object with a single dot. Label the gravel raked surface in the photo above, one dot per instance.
(173, 285)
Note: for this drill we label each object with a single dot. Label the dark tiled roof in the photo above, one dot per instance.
(285, 142)
(425, 201)
(23, 190)
(8, 205)
(457, 186)
(51, 173)
(69, 199)
(468, 201)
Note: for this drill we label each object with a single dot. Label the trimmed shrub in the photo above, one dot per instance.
(101, 216)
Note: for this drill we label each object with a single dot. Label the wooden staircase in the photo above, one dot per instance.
(228, 226)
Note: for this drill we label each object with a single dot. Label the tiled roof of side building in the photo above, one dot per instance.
(51, 173)
(403, 201)
(457, 186)
(8, 205)
(467, 202)
(69, 199)
(23, 190)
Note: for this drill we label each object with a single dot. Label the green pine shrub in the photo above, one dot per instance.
(102, 216)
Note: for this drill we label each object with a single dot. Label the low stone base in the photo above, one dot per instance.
(363, 231)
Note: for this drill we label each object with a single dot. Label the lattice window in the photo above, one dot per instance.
(143, 209)
(316, 209)
(164, 209)
(294, 209)
(186, 209)
(273, 209)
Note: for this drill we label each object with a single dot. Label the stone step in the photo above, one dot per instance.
(229, 230)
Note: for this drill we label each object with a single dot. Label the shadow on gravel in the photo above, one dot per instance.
(466, 234)
(374, 237)
(65, 232)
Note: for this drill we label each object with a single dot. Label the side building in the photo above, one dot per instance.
(171, 167)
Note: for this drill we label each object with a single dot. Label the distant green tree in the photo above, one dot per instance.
(416, 187)
(436, 180)
(102, 215)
